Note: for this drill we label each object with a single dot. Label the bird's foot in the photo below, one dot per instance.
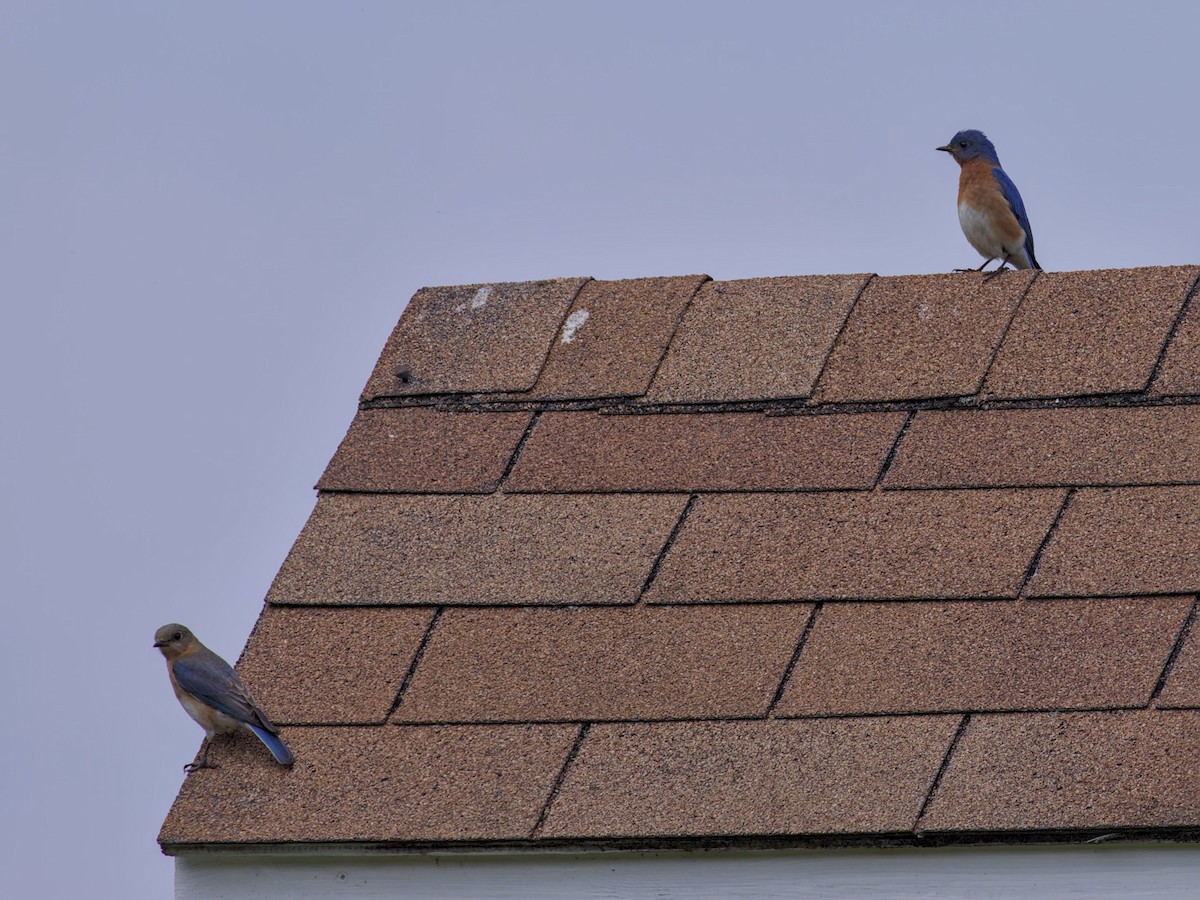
(202, 763)
(992, 274)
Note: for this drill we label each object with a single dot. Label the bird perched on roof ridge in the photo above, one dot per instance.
(990, 209)
(212, 694)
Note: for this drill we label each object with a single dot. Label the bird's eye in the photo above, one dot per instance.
(177, 636)
(964, 144)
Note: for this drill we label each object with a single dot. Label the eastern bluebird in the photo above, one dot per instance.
(212, 694)
(990, 210)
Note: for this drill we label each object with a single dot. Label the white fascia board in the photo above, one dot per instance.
(1096, 872)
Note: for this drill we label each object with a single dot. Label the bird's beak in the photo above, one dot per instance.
(947, 148)
(160, 643)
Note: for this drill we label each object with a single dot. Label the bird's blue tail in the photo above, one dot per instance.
(274, 743)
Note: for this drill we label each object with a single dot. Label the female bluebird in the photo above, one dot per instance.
(212, 694)
(990, 210)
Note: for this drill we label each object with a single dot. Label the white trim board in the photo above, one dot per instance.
(1083, 872)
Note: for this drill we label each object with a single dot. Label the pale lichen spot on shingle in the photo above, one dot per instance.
(574, 322)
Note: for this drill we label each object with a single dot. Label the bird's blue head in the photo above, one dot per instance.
(971, 144)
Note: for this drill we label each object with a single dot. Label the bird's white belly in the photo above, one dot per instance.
(979, 232)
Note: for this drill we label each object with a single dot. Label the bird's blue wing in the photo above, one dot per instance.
(211, 680)
(1017, 205)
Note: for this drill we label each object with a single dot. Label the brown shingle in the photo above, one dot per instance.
(424, 449)
(340, 666)
(1180, 370)
(872, 545)
(1071, 771)
(512, 548)
(1115, 541)
(614, 337)
(773, 777)
(1089, 332)
(385, 783)
(760, 338)
(584, 451)
(473, 338)
(610, 663)
(939, 657)
(1049, 447)
(917, 336)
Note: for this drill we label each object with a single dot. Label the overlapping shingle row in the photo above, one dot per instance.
(674, 559)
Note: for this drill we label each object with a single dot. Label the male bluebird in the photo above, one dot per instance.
(212, 694)
(990, 210)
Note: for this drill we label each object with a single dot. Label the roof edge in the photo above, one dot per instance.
(731, 843)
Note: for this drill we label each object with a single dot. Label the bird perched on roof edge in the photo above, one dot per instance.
(990, 209)
(212, 694)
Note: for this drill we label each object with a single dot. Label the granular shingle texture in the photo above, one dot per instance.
(761, 338)
(613, 337)
(1090, 332)
(1074, 771)
(736, 778)
(676, 662)
(852, 544)
(718, 452)
(419, 450)
(920, 336)
(673, 561)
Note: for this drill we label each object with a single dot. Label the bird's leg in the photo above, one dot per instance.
(204, 763)
(980, 269)
(1003, 263)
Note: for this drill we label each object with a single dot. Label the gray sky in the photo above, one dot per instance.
(213, 213)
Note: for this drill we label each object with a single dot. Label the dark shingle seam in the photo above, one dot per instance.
(675, 329)
(937, 779)
(1169, 665)
(787, 672)
(891, 454)
(752, 718)
(1014, 486)
(557, 332)
(666, 547)
(1188, 297)
(1037, 556)
(558, 781)
(816, 385)
(416, 660)
(788, 406)
(516, 454)
(981, 387)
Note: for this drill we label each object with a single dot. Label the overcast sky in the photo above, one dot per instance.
(213, 213)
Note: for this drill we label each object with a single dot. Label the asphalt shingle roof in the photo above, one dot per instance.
(817, 559)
